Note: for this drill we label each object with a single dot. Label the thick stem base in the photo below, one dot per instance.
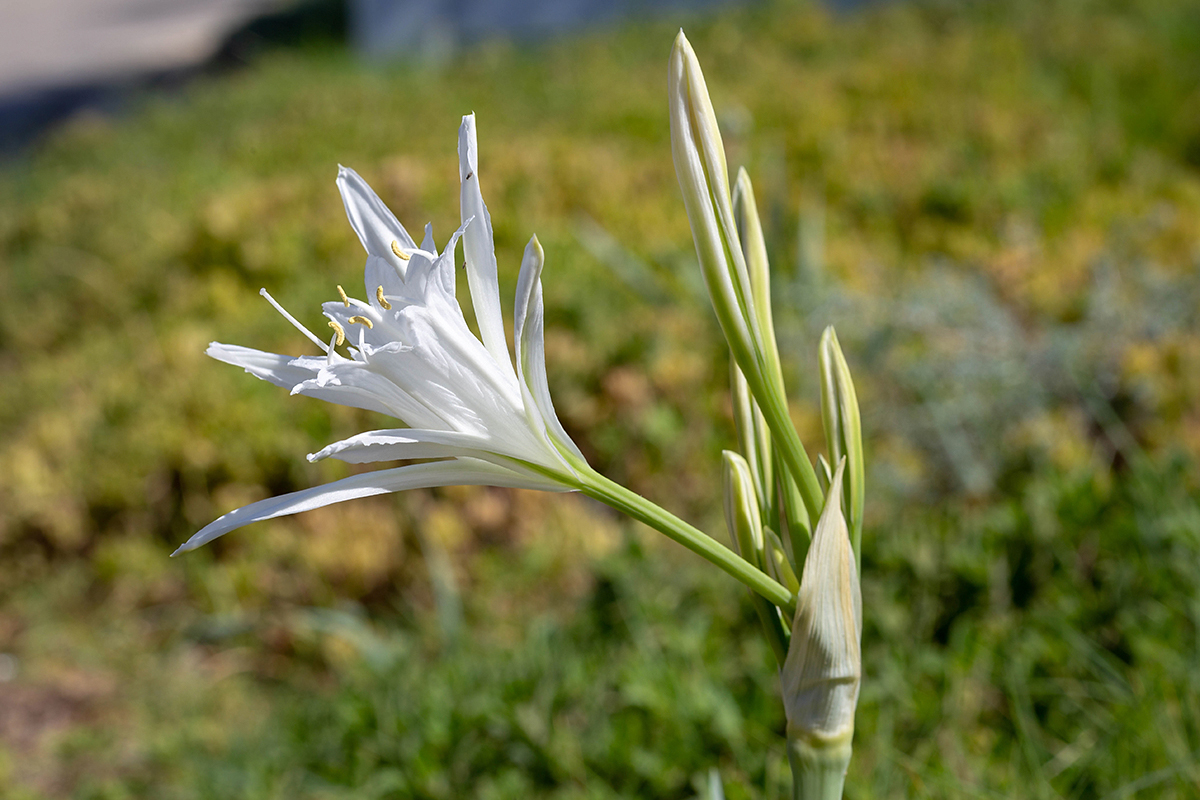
(818, 765)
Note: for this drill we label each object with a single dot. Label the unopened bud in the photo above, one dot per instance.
(746, 531)
(821, 675)
(700, 164)
(703, 174)
(843, 430)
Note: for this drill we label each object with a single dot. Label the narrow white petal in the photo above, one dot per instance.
(479, 249)
(279, 370)
(530, 342)
(375, 225)
(458, 472)
(358, 384)
(381, 272)
(400, 444)
(427, 244)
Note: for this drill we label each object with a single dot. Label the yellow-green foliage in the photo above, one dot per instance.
(1018, 157)
(998, 141)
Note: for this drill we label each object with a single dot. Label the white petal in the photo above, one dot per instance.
(530, 342)
(427, 244)
(381, 272)
(375, 225)
(458, 472)
(401, 444)
(279, 370)
(479, 249)
(430, 278)
(353, 383)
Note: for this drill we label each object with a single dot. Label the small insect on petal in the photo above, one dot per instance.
(382, 300)
(340, 331)
(400, 254)
(361, 321)
(342, 292)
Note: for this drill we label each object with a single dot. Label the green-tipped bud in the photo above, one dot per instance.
(821, 675)
(843, 430)
(746, 531)
(824, 472)
(699, 156)
(779, 566)
(741, 508)
(754, 250)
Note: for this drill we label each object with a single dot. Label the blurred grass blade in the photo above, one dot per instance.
(716, 790)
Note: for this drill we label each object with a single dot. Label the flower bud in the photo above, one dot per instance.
(746, 531)
(754, 249)
(754, 441)
(843, 429)
(821, 675)
(700, 164)
(699, 156)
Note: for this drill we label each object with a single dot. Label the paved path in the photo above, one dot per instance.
(52, 43)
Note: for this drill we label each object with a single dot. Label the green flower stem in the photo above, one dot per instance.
(787, 441)
(598, 487)
(791, 505)
(818, 766)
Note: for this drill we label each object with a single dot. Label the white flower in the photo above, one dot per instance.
(412, 356)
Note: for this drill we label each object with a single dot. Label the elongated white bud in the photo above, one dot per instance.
(700, 164)
(843, 430)
(703, 174)
(741, 508)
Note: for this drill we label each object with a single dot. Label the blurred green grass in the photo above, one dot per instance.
(997, 204)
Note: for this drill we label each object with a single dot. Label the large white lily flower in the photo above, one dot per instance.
(413, 357)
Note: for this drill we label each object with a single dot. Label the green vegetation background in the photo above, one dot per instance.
(998, 204)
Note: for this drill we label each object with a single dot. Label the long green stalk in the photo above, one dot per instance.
(598, 487)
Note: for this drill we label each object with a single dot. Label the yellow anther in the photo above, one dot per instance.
(361, 321)
(382, 300)
(345, 299)
(340, 331)
(400, 254)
